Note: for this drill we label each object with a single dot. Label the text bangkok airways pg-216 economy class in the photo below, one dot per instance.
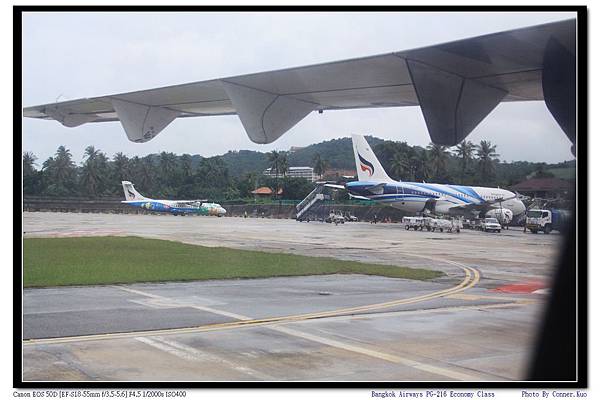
(374, 184)
(175, 207)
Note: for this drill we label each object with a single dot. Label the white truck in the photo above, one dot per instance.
(490, 225)
(448, 225)
(432, 224)
(547, 220)
(503, 215)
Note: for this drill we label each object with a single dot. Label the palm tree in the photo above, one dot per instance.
(283, 164)
(147, 174)
(486, 154)
(420, 161)
(31, 178)
(28, 163)
(386, 151)
(274, 161)
(186, 166)
(213, 172)
(60, 172)
(121, 167)
(91, 153)
(64, 165)
(168, 167)
(319, 165)
(93, 176)
(464, 150)
(274, 158)
(400, 166)
(439, 159)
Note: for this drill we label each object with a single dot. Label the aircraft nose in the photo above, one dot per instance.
(222, 211)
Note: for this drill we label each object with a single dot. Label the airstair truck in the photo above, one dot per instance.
(547, 220)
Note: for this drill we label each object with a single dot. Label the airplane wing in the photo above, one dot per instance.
(334, 186)
(375, 189)
(484, 206)
(456, 84)
(353, 196)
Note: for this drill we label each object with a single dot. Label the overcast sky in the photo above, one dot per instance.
(74, 55)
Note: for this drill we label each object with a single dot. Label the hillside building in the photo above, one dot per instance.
(294, 172)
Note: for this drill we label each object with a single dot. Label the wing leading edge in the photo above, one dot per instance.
(456, 84)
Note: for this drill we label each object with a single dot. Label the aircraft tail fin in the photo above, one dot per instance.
(130, 192)
(368, 167)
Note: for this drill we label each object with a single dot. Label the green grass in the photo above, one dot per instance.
(108, 260)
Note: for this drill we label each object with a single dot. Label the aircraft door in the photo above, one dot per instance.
(400, 190)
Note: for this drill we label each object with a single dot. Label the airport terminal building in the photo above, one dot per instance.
(294, 172)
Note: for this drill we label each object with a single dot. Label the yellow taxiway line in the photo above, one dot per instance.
(472, 277)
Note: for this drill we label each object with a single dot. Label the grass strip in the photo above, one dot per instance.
(110, 260)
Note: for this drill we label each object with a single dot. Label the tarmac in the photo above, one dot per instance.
(477, 323)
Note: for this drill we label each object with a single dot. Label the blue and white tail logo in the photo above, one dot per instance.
(368, 167)
(365, 165)
(130, 193)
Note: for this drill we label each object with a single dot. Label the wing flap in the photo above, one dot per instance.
(508, 62)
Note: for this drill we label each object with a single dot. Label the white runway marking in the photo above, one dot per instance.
(173, 302)
(168, 349)
(188, 353)
(378, 354)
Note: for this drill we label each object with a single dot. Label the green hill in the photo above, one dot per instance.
(337, 152)
(245, 161)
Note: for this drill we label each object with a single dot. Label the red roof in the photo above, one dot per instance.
(264, 190)
(542, 184)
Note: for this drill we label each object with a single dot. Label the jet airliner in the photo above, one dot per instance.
(374, 184)
(175, 207)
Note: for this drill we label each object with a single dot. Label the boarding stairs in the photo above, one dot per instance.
(309, 201)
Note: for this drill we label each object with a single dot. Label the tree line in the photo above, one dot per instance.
(466, 164)
(167, 175)
(164, 175)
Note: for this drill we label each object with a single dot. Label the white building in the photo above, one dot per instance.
(295, 172)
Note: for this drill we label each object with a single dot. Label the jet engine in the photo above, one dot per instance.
(503, 215)
(441, 207)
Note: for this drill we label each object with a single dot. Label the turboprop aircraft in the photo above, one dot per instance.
(175, 207)
(415, 197)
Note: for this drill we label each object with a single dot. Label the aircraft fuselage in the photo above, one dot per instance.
(178, 208)
(413, 197)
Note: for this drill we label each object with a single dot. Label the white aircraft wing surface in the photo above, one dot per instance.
(485, 206)
(456, 84)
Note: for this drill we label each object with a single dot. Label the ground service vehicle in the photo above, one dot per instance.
(547, 220)
(350, 218)
(432, 224)
(491, 225)
(413, 222)
(335, 217)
